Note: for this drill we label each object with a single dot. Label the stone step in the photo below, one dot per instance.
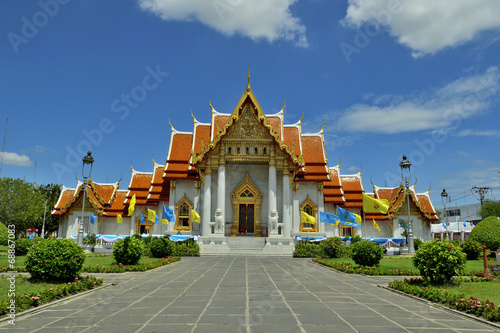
(246, 243)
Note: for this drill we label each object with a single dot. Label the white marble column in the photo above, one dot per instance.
(221, 193)
(132, 222)
(296, 210)
(171, 204)
(207, 199)
(321, 208)
(287, 221)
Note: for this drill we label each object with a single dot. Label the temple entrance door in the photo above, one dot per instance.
(246, 219)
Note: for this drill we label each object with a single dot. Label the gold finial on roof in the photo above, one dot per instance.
(300, 120)
(430, 187)
(340, 160)
(284, 106)
(248, 84)
(371, 181)
(324, 125)
(76, 173)
(121, 177)
(131, 166)
(194, 119)
(360, 170)
(210, 103)
(171, 127)
(153, 158)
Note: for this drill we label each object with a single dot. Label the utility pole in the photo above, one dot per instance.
(482, 191)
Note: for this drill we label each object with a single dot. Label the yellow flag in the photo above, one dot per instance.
(195, 217)
(151, 215)
(306, 218)
(164, 221)
(371, 205)
(375, 225)
(131, 206)
(357, 218)
(119, 218)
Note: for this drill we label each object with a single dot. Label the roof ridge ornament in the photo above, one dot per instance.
(248, 84)
(284, 105)
(300, 120)
(194, 119)
(171, 129)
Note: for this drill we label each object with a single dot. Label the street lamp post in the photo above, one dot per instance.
(86, 160)
(444, 195)
(405, 164)
(47, 190)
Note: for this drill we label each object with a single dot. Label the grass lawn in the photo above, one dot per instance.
(4, 249)
(481, 290)
(402, 263)
(92, 261)
(23, 287)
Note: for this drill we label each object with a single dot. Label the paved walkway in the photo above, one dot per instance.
(243, 294)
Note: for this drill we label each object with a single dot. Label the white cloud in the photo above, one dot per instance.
(470, 132)
(427, 26)
(435, 109)
(15, 159)
(258, 19)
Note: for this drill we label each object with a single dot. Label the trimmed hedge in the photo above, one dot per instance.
(487, 232)
(367, 253)
(55, 260)
(127, 251)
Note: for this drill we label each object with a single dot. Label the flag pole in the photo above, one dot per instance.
(364, 224)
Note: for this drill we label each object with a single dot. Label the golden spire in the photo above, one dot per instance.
(248, 84)
(300, 120)
(324, 125)
(194, 119)
(284, 106)
(171, 127)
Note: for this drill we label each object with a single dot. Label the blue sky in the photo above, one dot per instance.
(389, 78)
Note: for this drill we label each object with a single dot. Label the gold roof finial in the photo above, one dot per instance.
(131, 166)
(340, 160)
(324, 125)
(153, 158)
(194, 119)
(284, 106)
(430, 187)
(171, 127)
(248, 84)
(300, 120)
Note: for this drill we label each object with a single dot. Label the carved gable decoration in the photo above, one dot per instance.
(247, 127)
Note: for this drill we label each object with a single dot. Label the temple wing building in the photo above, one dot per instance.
(244, 173)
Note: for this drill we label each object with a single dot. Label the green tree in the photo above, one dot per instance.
(21, 204)
(487, 232)
(490, 208)
(51, 222)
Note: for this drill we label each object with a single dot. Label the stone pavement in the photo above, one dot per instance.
(243, 294)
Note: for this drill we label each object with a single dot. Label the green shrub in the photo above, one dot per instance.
(332, 247)
(439, 261)
(472, 249)
(346, 251)
(90, 239)
(356, 239)
(487, 232)
(4, 234)
(147, 240)
(416, 243)
(306, 250)
(161, 247)
(366, 253)
(188, 248)
(55, 260)
(127, 251)
(23, 245)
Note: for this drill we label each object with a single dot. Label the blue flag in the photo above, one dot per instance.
(465, 223)
(168, 214)
(143, 219)
(327, 218)
(156, 219)
(444, 225)
(92, 219)
(348, 218)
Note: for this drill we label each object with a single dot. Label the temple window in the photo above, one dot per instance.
(229, 151)
(246, 194)
(264, 151)
(256, 151)
(309, 208)
(346, 231)
(247, 150)
(183, 217)
(238, 150)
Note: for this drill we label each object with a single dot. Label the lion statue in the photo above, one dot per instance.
(273, 220)
(219, 220)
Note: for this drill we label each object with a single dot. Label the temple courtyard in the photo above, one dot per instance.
(243, 294)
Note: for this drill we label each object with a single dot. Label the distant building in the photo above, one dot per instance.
(462, 213)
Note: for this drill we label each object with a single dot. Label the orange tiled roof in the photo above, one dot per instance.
(118, 205)
(160, 187)
(276, 124)
(291, 136)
